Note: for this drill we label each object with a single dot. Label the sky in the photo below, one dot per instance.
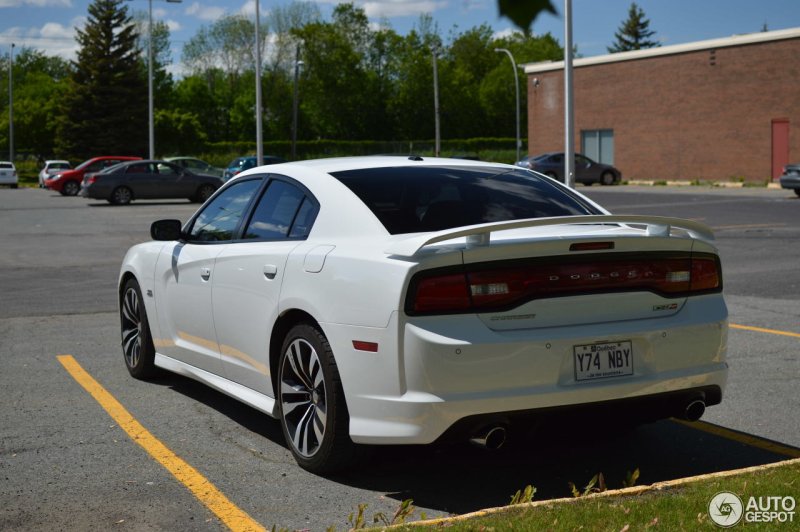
(49, 25)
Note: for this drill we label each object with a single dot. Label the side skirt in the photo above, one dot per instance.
(244, 394)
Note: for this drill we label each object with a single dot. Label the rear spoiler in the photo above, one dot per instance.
(480, 235)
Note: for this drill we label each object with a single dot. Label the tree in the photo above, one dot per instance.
(105, 104)
(38, 86)
(634, 33)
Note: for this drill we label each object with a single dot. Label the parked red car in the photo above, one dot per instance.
(69, 182)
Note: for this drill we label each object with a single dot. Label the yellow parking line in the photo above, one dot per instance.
(233, 517)
(741, 437)
(769, 331)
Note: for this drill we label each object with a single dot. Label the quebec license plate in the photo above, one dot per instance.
(601, 361)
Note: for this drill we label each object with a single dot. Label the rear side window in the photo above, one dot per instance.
(421, 199)
(280, 213)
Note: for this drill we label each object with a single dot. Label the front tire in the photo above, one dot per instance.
(137, 344)
(71, 188)
(312, 406)
(607, 178)
(797, 191)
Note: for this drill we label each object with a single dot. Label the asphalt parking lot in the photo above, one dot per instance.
(68, 460)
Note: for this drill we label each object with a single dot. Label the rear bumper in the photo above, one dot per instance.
(450, 371)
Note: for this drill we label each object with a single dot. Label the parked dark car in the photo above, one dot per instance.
(791, 178)
(136, 180)
(68, 182)
(587, 171)
(196, 166)
(240, 164)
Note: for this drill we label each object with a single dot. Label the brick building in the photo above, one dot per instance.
(711, 110)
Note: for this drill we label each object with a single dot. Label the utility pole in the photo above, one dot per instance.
(569, 121)
(516, 86)
(437, 149)
(11, 104)
(295, 102)
(259, 135)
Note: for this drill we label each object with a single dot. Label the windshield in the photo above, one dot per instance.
(420, 199)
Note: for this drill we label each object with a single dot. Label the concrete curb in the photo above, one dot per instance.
(624, 492)
(708, 184)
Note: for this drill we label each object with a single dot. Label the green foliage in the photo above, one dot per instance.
(634, 33)
(524, 13)
(524, 496)
(596, 485)
(104, 108)
(358, 519)
(630, 478)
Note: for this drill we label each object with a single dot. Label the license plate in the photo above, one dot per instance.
(601, 361)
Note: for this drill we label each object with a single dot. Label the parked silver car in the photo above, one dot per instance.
(791, 177)
(51, 167)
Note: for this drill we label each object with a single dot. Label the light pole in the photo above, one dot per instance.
(437, 149)
(150, 125)
(569, 121)
(516, 86)
(297, 65)
(259, 134)
(11, 104)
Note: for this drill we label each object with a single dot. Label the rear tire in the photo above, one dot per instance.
(797, 191)
(311, 400)
(71, 188)
(203, 193)
(121, 196)
(137, 344)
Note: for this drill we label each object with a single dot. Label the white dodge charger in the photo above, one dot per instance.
(409, 300)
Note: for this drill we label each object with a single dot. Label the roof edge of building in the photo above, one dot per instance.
(736, 40)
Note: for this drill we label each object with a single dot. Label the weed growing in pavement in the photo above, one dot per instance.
(523, 496)
(661, 183)
(406, 509)
(631, 478)
(596, 485)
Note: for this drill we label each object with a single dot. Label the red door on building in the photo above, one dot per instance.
(780, 145)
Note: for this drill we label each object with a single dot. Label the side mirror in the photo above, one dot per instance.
(165, 230)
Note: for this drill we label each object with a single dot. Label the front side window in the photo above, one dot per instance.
(279, 208)
(220, 218)
(420, 199)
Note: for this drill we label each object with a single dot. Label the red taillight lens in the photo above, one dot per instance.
(502, 288)
(91, 179)
(706, 275)
(444, 293)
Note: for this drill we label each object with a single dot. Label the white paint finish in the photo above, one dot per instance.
(351, 276)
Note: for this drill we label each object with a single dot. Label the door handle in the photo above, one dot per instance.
(205, 273)
(270, 271)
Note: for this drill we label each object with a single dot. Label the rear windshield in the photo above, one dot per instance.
(424, 198)
(6, 165)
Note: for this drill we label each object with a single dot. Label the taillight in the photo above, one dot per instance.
(487, 288)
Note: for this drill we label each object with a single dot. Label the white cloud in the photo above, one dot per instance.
(52, 38)
(205, 12)
(401, 8)
(35, 3)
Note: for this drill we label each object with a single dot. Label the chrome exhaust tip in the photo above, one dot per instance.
(492, 438)
(694, 410)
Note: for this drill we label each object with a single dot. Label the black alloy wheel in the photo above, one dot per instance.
(313, 412)
(137, 344)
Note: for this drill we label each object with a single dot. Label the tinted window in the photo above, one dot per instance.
(275, 212)
(6, 165)
(418, 199)
(220, 218)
